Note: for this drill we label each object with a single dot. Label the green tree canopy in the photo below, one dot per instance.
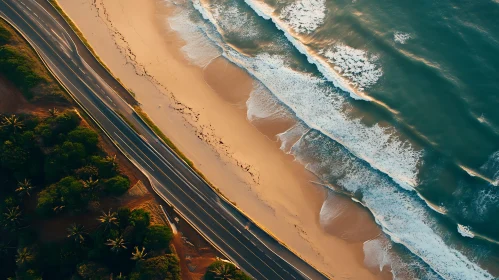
(107, 166)
(117, 185)
(87, 137)
(158, 237)
(220, 270)
(4, 36)
(158, 268)
(66, 122)
(91, 270)
(67, 193)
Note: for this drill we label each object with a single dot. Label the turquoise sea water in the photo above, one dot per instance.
(398, 106)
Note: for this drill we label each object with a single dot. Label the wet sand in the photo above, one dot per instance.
(202, 110)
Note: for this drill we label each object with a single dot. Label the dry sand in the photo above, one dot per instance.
(203, 112)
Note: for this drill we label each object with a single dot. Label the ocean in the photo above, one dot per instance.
(396, 104)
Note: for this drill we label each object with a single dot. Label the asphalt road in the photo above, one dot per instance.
(101, 96)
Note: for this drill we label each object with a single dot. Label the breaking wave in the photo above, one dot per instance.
(304, 16)
(401, 214)
(372, 163)
(322, 64)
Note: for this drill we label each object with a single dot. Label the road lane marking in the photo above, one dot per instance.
(202, 208)
(60, 38)
(197, 218)
(224, 208)
(133, 151)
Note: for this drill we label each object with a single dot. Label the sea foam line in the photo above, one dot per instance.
(265, 11)
(305, 16)
(322, 109)
(394, 222)
(328, 71)
(401, 215)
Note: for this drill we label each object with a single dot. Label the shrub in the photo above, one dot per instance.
(158, 237)
(66, 122)
(158, 268)
(117, 185)
(87, 172)
(17, 68)
(139, 221)
(85, 136)
(140, 218)
(107, 167)
(91, 270)
(65, 195)
(224, 270)
(5, 36)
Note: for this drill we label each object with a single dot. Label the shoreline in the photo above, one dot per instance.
(242, 165)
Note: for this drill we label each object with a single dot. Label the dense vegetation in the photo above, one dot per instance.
(52, 169)
(224, 270)
(19, 64)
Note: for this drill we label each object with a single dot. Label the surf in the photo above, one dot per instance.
(388, 166)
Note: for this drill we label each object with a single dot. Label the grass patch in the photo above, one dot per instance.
(20, 64)
(131, 92)
(127, 121)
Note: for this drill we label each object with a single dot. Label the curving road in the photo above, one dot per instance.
(101, 96)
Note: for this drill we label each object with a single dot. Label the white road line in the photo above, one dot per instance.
(133, 151)
(216, 221)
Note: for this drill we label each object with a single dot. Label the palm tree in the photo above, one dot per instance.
(12, 217)
(90, 183)
(112, 159)
(13, 122)
(77, 233)
(53, 112)
(108, 219)
(24, 256)
(58, 208)
(138, 255)
(222, 271)
(116, 244)
(24, 188)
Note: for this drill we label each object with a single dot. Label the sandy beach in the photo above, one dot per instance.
(203, 111)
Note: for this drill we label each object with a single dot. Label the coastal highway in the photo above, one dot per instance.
(103, 98)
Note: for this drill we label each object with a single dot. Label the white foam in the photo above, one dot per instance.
(355, 65)
(233, 20)
(465, 231)
(330, 211)
(304, 16)
(289, 137)
(319, 107)
(402, 215)
(265, 11)
(261, 104)
(491, 168)
(322, 109)
(401, 38)
(376, 254)
(484, 200)
(198, 49)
